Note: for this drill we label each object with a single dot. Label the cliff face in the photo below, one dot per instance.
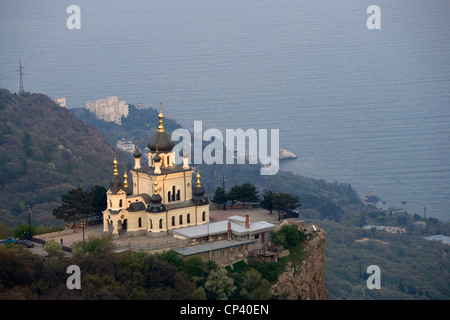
(306, 281)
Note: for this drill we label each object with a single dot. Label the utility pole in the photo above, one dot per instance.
(21, 90)
(83, 224)
(278, 198)
(224, 193)
(29, 222)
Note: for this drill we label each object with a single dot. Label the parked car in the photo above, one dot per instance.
(26, 243)
(9, 240)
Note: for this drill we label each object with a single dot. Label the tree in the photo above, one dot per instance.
(248, 193)
(286, 201)
(195, 268)
(94, 246)
(243, 193)
(220, 196)
(21, 231)
(5, 230)
(288, 236)
(268, 201)
(218, 285)
(53, 248)
(233, 194)
(255, 287)
(98, 194)
(77, 204)
(279, 201)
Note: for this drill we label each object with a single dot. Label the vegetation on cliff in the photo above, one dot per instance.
(131, 275)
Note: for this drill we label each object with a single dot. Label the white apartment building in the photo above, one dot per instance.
(126, 145)
(109, 109)
(61, 101)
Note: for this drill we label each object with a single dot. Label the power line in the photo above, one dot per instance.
(21, 90)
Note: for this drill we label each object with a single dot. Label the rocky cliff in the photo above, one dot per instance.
(305, 281)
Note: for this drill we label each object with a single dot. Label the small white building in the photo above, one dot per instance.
(225, 241)
(61, 101)
(125, 145)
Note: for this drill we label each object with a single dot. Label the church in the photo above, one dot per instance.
(161, 197)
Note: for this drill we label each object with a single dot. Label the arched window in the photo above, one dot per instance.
(110, 203)
(120, 203)
(173, 221)
(151, 223)
(168, 196)
(188, 218)
(160, 223)
(178, 194)
(140, 223)
(181, 219)
(203, 216)
(173, 193)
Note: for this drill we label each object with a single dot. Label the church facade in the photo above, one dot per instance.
(162, 196)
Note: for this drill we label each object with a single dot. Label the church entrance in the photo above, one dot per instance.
(122, 227)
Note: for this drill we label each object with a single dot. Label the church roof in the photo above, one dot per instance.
(210, 246)
(137, 153)
(221, 227)
(137, 206)
(161, 141)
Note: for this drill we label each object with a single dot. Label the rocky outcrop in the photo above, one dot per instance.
(305, 281)
(287, 155)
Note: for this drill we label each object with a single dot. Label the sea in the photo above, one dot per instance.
(359, 105)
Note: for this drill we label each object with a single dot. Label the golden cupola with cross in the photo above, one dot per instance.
(161, 195)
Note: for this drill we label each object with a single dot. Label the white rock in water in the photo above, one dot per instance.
(285, 154)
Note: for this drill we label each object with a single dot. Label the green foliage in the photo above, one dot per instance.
(220, 196)
(288, 236)
(21, 231)
(411, 267)
(53, 248)
(255, 287)
(195, 268)
(243, 193)
(94, 246)
(218, 285)
(44, 152)
(5, 230)
(80, 204)
(279, 201)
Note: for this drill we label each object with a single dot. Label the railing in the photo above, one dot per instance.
(249, 206)
(168, 244)
(42, 242)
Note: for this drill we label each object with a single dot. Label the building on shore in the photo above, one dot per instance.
(109, 109)
(126, 145)
(61, 101)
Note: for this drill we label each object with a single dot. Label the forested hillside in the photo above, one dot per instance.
(45, 151)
